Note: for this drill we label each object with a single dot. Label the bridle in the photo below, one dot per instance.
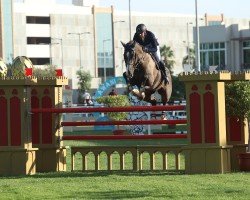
(135, 61)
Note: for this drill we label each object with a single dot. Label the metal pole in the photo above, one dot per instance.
(197, 40)
(104, 61)
(50, 54)
(104, 57)
(79, 39)
(188, 45)
(79, 35)
(130, 32)
(62, 54)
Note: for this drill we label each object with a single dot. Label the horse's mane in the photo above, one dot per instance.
(134, 44)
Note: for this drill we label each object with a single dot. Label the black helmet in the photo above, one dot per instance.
(141, 28)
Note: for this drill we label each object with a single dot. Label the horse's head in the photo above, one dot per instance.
(130, 58)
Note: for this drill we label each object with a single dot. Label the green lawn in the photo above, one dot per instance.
(125, 185)
(144, 185)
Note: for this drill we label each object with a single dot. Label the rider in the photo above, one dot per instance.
(149, 42)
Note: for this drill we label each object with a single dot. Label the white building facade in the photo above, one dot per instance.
(81, 35)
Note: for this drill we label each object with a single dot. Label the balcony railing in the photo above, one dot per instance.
(135, 157)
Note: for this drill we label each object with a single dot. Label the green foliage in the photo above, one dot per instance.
(114, 101)
(84, 82)
(191, 58)
(238, 99)
(238, 102)
(178, 91)
(48, 71)
(168, 57)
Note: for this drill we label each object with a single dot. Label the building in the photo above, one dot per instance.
(82, 35)
(228, 49)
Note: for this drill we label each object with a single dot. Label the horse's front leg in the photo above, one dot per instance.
(139, 93)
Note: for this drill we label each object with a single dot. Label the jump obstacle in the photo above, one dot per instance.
(31, 126)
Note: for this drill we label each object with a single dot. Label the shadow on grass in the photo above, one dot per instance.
(96, 174)
(112, 194)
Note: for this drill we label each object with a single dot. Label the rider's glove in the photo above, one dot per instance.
(145, 49)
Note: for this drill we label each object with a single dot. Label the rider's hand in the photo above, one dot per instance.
(145, 49)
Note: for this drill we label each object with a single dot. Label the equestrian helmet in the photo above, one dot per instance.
(141, 28)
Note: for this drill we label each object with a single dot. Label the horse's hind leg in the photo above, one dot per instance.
(164, 99)
(148, 98)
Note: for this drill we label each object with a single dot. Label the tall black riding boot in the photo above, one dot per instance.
(163, 70)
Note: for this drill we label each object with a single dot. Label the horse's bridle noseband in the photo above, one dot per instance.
(135, 63)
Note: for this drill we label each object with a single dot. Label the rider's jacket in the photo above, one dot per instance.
(150, 42)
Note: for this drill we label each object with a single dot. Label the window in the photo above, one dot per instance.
(214, 23)
(38, 40)
(213, 54)
(37, 20)
(18, 1)
(40, 61)
(104, 44)
(246, 54)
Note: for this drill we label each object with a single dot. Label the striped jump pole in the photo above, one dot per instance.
(108, 109)
(122, 122)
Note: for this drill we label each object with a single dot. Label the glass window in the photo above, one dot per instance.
(246, 56)
(104, 43)
(203, 58)
(211, 58)
(217, 45)
(222, 45)
(213, 54)
(38, 40)
(216, 58)
(40, 61)
(18, 1)
(7, 30)
(214, 23)
(222, 57)
(64, 1)
(37, 20)
(246, 44)
(211, 45)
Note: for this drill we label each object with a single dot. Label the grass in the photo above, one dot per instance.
(144, 185)
(125, 185)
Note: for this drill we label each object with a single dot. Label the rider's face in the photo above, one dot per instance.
(143, 34)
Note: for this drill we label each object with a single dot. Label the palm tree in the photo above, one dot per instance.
(189, 59)
(168, 57)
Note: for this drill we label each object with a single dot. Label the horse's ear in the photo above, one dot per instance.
(123, 44)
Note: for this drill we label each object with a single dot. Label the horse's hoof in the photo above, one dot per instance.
(135, 92)
(163, 117)
(143, 95)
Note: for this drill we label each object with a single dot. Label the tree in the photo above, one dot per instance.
(189, 59)
(178, 91)
(238, 102)
(168, 57)
(48, 71)
(114, 101)
(84, 83)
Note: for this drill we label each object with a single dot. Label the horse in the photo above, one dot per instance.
(143, 72)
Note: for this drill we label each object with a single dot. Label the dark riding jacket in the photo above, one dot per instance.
(150, 43)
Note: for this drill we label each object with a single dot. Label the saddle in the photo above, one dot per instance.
(156, 63)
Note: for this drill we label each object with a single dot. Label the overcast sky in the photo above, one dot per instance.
(230, 8)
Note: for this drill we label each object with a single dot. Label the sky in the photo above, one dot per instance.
(230, 8)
